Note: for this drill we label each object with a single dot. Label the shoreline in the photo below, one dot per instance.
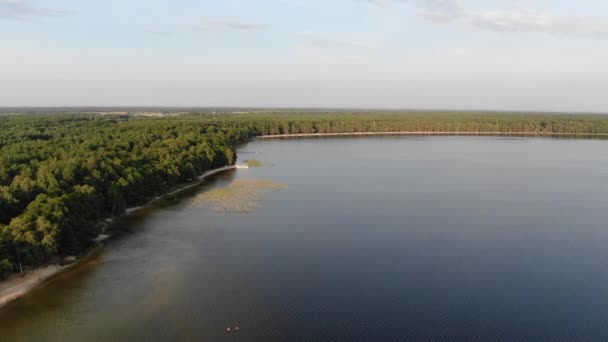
(423, 133)
(179, 189)
(17, 286)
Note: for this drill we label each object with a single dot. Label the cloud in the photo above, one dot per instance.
(21, 9)
(322, 40)
(538, 22)
(225, 25)
(14, 9)
(381, 3)
(453, 11)
(327, 47)
(158, 32)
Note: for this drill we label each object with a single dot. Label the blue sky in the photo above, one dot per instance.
(449, 54)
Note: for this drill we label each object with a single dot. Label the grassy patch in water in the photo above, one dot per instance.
(243, 195)
(254, 163)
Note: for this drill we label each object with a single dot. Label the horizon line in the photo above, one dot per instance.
(103, 108)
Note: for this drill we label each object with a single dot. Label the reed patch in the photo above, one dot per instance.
(242, 196)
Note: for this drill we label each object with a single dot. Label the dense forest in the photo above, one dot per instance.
(61, 174)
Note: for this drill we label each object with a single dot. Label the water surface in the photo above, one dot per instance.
(373, 239)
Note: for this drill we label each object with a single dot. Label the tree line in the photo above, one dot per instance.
(61, 174)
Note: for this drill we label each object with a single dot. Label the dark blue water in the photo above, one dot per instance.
(375, 239)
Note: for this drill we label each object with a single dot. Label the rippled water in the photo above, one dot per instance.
(373, 239)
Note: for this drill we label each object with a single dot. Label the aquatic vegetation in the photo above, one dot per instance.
(243, 195)
(254, 163)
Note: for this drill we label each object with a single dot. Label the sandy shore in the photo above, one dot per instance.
(18, 285)
(354, 134)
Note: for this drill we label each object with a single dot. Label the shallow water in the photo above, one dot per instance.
(374, 239)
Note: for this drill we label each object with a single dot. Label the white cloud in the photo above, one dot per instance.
(453, 11)
(13, 9)
(223, 25)
(158, 32)
(21, 9)
(537, 22)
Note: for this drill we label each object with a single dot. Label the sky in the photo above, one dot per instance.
(523, 55)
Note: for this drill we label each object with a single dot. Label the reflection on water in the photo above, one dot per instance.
(376, 239)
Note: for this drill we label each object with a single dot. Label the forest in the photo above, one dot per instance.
(61, 174)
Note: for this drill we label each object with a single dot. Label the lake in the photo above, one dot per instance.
(354, 239)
